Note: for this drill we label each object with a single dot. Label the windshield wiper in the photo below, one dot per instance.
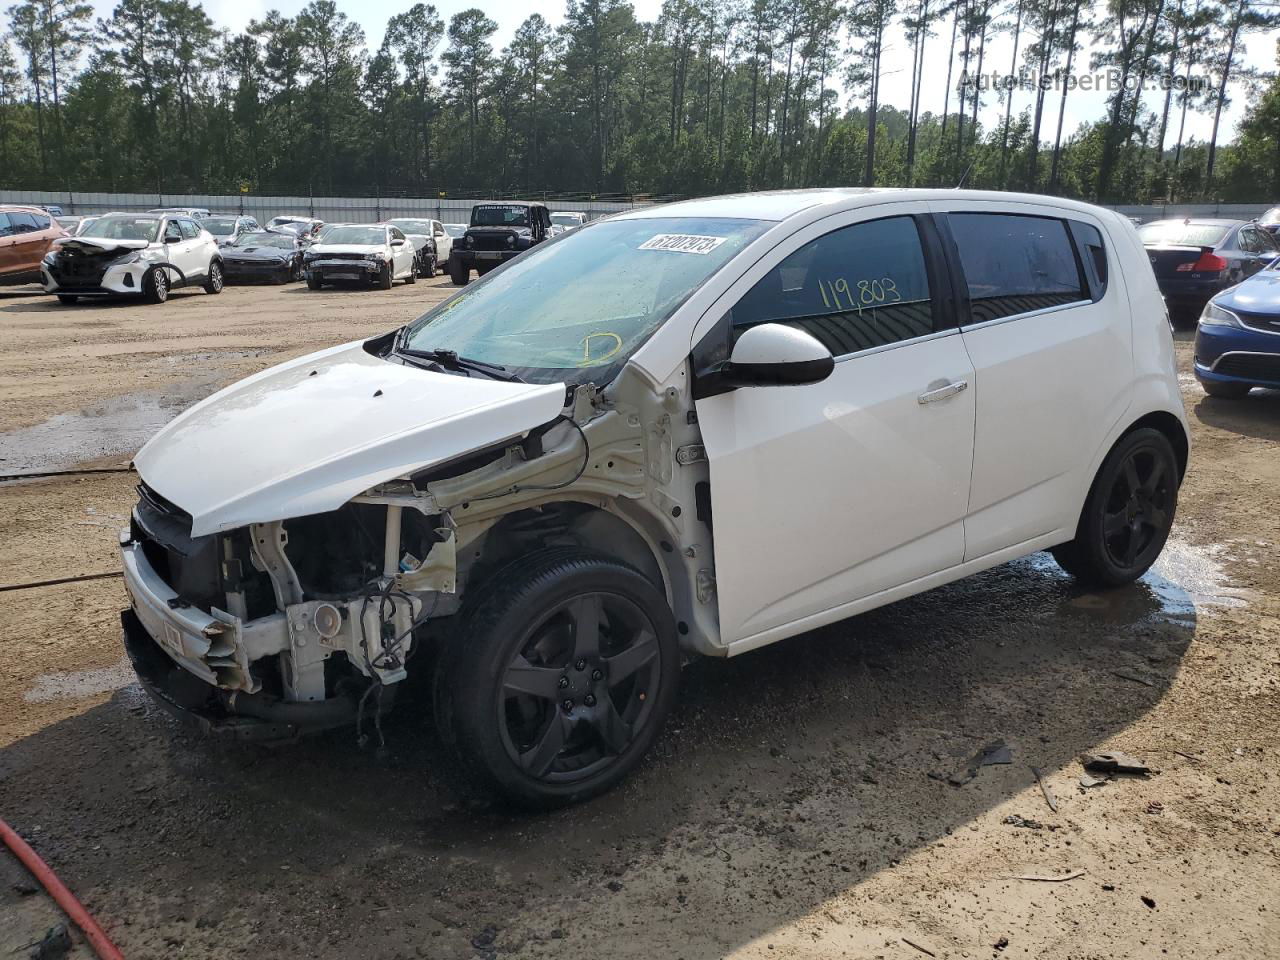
(450, 360)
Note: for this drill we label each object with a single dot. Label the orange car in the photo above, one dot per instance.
(26, 233)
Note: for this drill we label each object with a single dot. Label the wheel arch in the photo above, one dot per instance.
(590, 525)
(1174, 432)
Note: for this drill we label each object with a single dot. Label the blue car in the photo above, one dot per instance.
(1238, 338)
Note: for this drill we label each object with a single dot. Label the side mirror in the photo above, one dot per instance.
(173, 238)
(773, 354)
(397, 242)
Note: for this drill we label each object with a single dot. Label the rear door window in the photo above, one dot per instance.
(861, 286)
(1015, 264)
(6, 225)
(22, 223)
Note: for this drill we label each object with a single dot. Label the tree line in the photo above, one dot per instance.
(712, 96)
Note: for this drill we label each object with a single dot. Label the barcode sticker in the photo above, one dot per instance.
(682, 243)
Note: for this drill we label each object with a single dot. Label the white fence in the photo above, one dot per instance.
(370, 209)
(263, 208)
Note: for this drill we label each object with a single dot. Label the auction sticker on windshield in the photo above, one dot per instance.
(682, 243)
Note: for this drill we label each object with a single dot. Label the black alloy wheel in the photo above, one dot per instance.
(564, 674)
(1128, 514)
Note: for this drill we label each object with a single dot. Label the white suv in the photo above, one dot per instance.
(690, 429)
(140, 254)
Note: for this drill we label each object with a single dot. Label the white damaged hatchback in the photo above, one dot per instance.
(689, 429)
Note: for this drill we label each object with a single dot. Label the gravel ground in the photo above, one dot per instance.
(796, 806)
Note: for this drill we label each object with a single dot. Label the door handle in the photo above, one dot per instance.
(944, 391)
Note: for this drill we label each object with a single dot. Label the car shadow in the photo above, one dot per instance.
(1256, 415)
(822, 760)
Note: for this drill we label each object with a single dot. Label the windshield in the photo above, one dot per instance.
(360, 236)
(576, 309)
(1271, 216)
(219, 226)
(124, 228)
(499, 215)
(413, 226)
(1169, 232)
(565, 220)
(280, 240)
(455, 230)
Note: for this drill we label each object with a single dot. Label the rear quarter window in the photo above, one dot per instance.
(1016, 264)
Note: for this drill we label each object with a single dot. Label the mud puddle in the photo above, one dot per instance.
(118, 426)
(1185, 579)
(78, 684)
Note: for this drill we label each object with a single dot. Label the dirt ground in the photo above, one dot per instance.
(796, 806)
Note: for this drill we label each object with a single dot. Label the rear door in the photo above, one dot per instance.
(832, 492)
(1046, 323)
(7, 259)
(196, 252)
(28, 241)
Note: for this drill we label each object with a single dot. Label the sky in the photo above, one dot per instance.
(895, 85)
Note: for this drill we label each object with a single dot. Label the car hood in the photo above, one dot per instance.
(322, 248)
(307, 436)
(257, 253)
(1259, 294)
(98, 244)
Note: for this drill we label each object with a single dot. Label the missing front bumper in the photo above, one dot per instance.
(221, 714)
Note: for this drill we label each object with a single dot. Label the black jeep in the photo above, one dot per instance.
(498, 232)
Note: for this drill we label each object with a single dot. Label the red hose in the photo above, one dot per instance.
(103, 947)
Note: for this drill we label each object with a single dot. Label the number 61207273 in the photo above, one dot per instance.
(837, 294)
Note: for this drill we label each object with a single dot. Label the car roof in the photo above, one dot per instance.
(780, 205)
(1197, 222)
(22, 208)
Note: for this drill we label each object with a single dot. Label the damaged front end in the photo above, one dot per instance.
(227, 629)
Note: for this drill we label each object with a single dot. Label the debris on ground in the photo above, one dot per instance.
(485, 938)
(55, 944)
(1155, 807)
(1148, 902)
(1044, 788)
(1001, 943)
(1113, 761)
(1126, 675)
(996, 752)
(925, 950)
(1087, 782)
(1047, 877)
(1016, 821)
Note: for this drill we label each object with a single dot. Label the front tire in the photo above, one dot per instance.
(413, 275)
(313, 282)
(1225, 391)
(155, 285)
(213, 284)
(1128, 514)
(559, 678)
(68, 298)
(459, 274)
(384, 277)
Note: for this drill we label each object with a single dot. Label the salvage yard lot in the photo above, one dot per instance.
(797, 805)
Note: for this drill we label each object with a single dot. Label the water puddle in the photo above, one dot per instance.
(79, 684)
(1185, 579)
(116, 426)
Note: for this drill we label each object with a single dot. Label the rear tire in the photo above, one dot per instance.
(1226, 391)
(1128, 514)
(556, 683)
(68, 298)
(155, 285)
(213, 284)
(413, 275)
